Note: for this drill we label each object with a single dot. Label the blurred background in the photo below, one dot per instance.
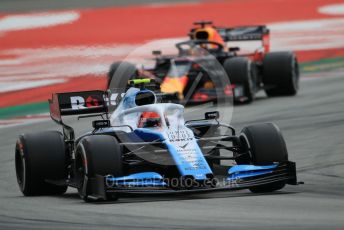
(54, 46)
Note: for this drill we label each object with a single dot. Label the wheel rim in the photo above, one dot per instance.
(20, 167)
(244, 142)
(80, 171)
(295, 73)
(251, 84)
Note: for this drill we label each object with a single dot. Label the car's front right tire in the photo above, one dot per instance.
(40, 157)
(266, 146)
(240, 71)
(119, 74)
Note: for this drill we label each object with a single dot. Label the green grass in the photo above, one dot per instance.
(322, 65)
(23, 110)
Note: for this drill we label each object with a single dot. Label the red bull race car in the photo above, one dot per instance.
(209, 66)
(144, 146)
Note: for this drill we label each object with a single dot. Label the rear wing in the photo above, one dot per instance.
(97, 101)
(247, 33)
(240, 33)
(76, 103)
(243, 33)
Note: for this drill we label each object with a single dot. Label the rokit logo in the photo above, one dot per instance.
(79, 102)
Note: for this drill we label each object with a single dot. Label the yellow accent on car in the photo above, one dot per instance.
(173, 85)
(140, 81)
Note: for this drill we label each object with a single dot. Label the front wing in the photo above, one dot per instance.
(98, 188)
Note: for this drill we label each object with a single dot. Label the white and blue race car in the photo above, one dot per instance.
(145, 147)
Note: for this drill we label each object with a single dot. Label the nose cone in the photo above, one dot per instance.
(174, 85)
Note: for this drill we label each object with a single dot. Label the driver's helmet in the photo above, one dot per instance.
(208, 33)
(149, 120)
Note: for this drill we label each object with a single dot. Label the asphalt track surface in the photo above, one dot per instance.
(312, 123)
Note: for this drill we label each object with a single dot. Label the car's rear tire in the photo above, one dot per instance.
(40, 157)
(280, 74)
(119, 74)
(241, 72)
(266, 146)
(97, 155)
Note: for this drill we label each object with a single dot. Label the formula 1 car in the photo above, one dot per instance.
(275, 72)
(194, 78)
(145, 147)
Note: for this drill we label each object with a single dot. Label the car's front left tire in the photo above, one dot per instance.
(97, 155)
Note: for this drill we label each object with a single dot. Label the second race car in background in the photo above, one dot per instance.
(209, 48)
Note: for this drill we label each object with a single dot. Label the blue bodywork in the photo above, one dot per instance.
(188, 157)
(242, 171)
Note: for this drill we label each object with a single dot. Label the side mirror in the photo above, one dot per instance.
(156, 52)
(214, 115)
(234, 49)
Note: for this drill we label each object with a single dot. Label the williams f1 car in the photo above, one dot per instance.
(145, 147)
(275, 72)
